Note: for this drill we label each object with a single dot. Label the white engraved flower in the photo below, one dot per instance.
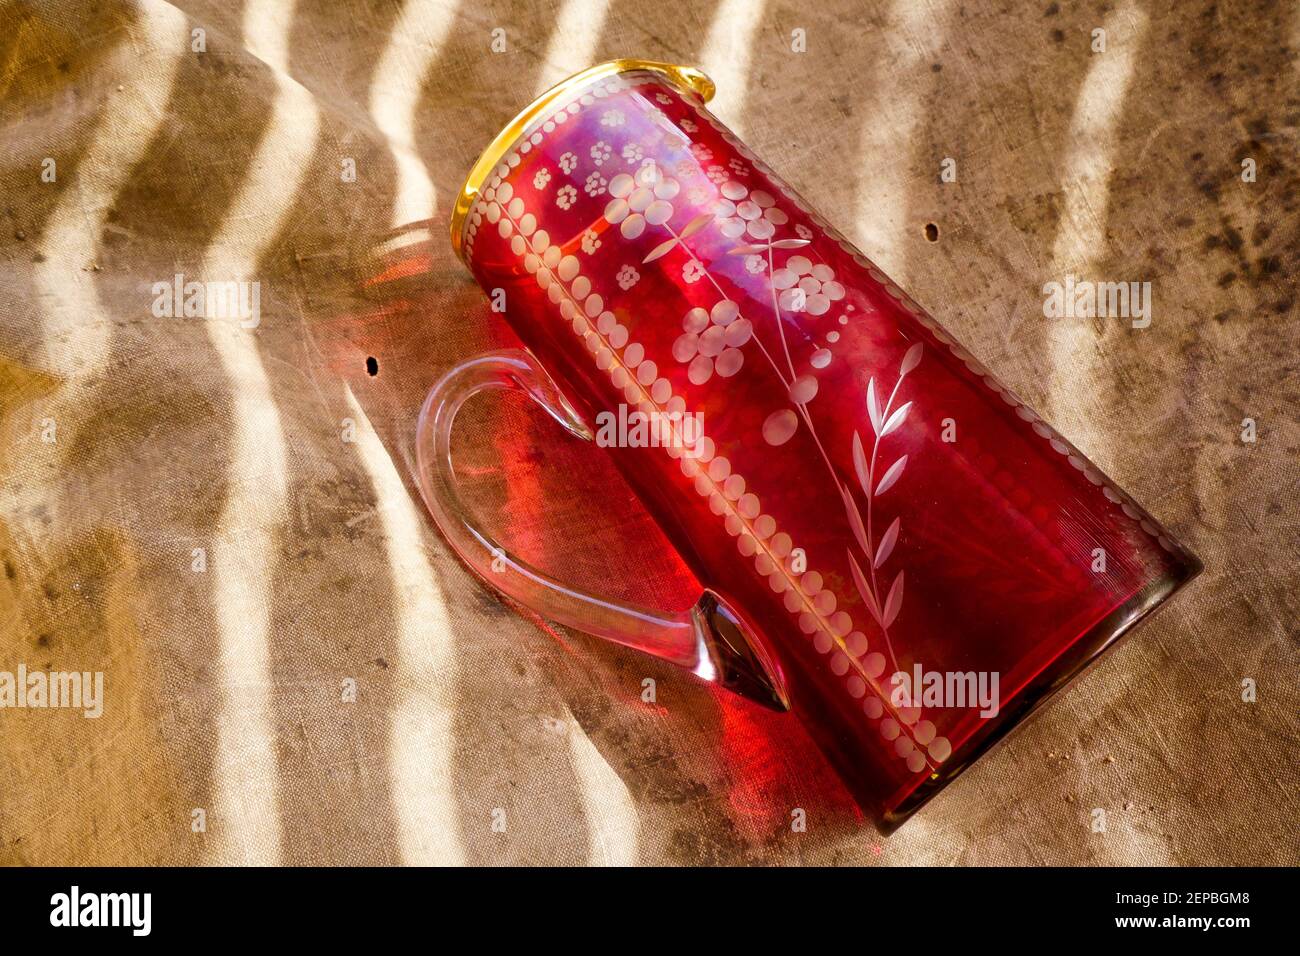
(664, 98)
(739, 212)
(717, 174)
(628, 277)
(711, 341)
(640, 200)
(596, 184)
(802, 231)
(600, 152)
(807, 287)
(612, 118)
(565, 196)
(699, 195)
(693, 271)
(590, 241)
(568, 162)
(739, 168)
(541, 179)
(755, 264)
(632, 153)
(701, 152)
(689, 125)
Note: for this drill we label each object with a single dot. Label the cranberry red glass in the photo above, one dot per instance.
(864, 498)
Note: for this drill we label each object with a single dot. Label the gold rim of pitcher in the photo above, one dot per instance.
(688, 78)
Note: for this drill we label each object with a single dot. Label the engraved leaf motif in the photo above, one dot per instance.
(891, 476)
(696, 224)
(895, 420)
(873, 405)
(660, 250)
(912, 359)
(893, 602)
(864, 589)
(887, 543)
(745, 250)
(855, 520)
(790, 243)
(860, 466)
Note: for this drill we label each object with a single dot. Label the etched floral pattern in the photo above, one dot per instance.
(740, 212)
(648, 199)
(711, 341)
(873, 483)
(806, 287)
(640, 200)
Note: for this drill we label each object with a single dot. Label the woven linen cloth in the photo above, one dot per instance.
(297, 669)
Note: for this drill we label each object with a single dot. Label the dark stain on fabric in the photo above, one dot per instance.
(487, 602)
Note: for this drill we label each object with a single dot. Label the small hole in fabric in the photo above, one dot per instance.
(932, 232)
(372, 365)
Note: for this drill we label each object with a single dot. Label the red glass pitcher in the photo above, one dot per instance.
(894, 546)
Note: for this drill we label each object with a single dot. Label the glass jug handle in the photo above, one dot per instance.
(709, 639)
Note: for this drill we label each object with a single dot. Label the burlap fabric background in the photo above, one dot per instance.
(225, 685)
